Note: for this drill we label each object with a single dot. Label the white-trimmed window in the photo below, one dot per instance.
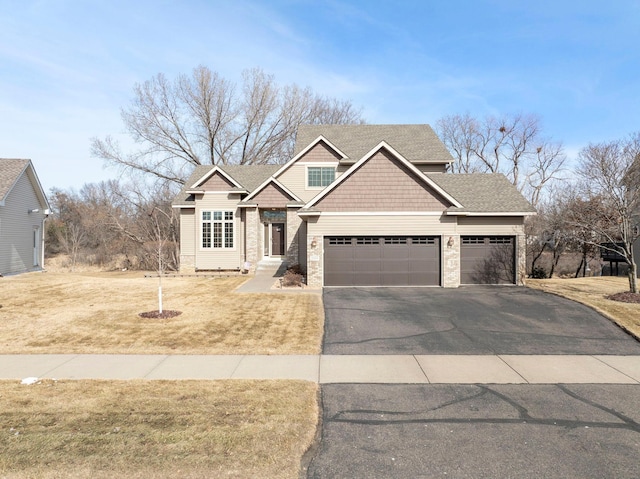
(320, 176)
(217, 229)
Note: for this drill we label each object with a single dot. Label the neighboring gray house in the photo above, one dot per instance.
(23, 209)
(361, 205)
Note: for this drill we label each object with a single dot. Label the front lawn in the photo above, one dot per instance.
(97, 313)
(592, 291)
(158, 429)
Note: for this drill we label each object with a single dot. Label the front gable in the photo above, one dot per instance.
(320, 152)
(382, 181)
(272, 195)
(216, 179)
(217, 182)
(382, 184)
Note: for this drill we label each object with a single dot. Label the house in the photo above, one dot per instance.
(364, 205)
(23, 209)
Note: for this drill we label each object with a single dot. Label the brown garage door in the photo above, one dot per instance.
(382, 261)
(487, 260)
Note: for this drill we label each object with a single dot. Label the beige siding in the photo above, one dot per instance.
(295, 177)
(375, 225)
(271, 196)
(17, 228)
(382, 183)
(217, 182)
(210, 259)
(491, 225)
(187, 232)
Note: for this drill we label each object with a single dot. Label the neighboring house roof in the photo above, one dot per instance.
(416, 143)
(11, 170)
(249, 176)
(482, 193)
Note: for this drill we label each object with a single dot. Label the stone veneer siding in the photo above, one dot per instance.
(450, 261)
(293, 236)
(252, 237)
(187, 263)
(314, 268)
(521, 259)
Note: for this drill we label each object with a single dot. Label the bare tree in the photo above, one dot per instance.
(204, 119)
(511, 144)
(610, 173)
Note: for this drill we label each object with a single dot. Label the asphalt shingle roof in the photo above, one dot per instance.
(10, 169)
(482, 193)
(414, 142)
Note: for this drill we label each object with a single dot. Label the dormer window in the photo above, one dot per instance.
(320, 176)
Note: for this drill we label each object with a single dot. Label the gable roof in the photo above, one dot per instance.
(383, 145)
(248, 176)
(11, 169)
(487, 194)
(272, 181)
(416, 143)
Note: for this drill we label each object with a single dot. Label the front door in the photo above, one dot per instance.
(277, 239)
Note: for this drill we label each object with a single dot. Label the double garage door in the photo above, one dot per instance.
(414, 260)
(382, 260)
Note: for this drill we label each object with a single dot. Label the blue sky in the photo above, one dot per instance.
(68, 66)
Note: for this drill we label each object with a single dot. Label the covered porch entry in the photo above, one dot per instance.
(274, 231)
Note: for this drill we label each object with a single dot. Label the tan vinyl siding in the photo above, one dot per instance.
(214, 258)
(17, 227)
(188, 232)
(217, 182)
(295, 177)
(382, 184)
(271, 196)
(490, 225)
(376, 225)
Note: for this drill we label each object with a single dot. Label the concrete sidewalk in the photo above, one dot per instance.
(326, 369)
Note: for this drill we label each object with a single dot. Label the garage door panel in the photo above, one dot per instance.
(487, 260)
(382, 261)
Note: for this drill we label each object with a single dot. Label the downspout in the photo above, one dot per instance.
(42, 235)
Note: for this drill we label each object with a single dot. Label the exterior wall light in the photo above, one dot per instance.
(450, 242)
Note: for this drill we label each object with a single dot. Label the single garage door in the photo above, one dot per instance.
(382, 261)
(487, 260)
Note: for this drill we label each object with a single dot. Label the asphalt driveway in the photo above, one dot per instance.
(479, 431)
(466, 320)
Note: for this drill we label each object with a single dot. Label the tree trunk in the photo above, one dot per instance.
(579, 267)
(536, 258)
(633, 277)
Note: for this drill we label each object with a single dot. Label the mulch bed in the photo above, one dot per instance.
(626, 297)
(166, 314)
